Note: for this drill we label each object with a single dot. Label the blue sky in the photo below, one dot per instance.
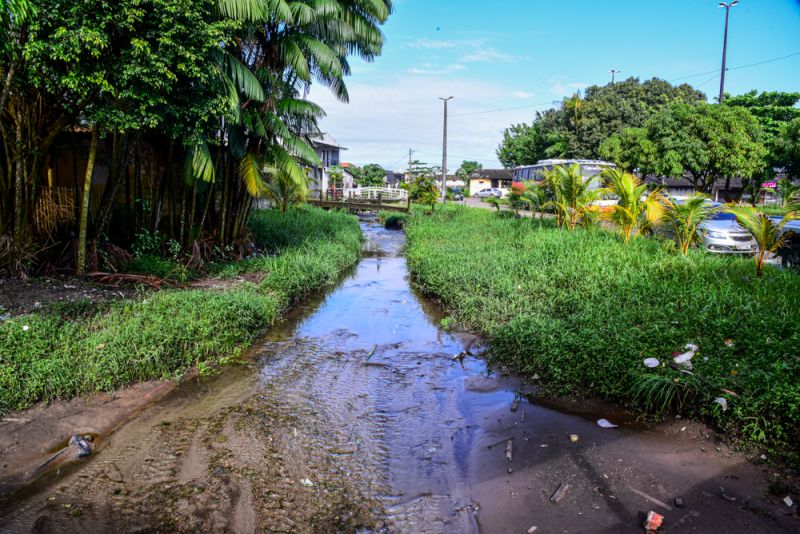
(528, 54)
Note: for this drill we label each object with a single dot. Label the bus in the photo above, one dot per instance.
(589, 168)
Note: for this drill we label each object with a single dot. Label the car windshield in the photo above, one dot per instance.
(722, 216)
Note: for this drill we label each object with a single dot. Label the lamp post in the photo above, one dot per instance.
(725, 47)
(444, 151)
(614, 72)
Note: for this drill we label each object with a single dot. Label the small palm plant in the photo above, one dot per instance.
(637, 209)
(537, 195)
(572, 194)
(768, 235)
(685, 219)
(787, 192)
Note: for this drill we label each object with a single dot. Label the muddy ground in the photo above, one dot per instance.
(359, 414)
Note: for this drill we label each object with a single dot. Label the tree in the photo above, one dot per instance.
(537, 196)
(630, 150)
(706, 143)
(787, 192)
(516, 198)
(572, 195)
(372, 175)
(685, 218)
(637, 210)
(424, 191)
(768, 235)
(467, 168)
(787, 148)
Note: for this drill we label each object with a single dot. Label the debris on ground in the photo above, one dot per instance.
(605, 423)
(679, 502)
(788, 501)
(685, 359)
(307, 483)
(82, 445)
(560, 493)
(726, 496)
(533, 529)
(509, 449)
(723, 402)
(515, 404)
(653, 522)
(651, 362)
(652, 499)
(573, 438)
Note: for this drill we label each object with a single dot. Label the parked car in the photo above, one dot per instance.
(456, 194)
(722, 234)
(790, 251)
(489, 192)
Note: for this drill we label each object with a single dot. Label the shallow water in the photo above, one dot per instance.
(359, 413)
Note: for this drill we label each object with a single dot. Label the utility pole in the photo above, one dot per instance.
(613, 73)
(410, 151)
(725, 48)
(444, 151)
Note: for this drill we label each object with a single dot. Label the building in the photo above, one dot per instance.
(485, 178)
(329, 152)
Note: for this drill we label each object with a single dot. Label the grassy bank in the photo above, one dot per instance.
(62, 353)
(582, 310)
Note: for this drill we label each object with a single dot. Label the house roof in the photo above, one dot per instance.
(491, 174)
(735, 183)
(325, 139)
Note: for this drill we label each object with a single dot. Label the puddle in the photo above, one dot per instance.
(355, 415)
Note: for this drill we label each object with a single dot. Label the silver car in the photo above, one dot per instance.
(489, 192)
(723, 235)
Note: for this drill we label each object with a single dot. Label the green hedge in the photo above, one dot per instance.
(583, 310)
(169, 331)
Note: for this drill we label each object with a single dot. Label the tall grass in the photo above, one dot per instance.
(582, 310)
(45, 356)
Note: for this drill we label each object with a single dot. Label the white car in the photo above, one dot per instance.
(489, 192)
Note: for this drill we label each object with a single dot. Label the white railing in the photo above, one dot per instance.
(387, 194)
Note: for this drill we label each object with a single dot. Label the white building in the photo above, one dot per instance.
(328, 150)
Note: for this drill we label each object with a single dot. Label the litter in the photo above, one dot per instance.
(573, 438)
(533, 529)
(653, 522)
(679, 503)
(651, 362)
(605, 423)
(788, 500)
(26, 328)
(307, 483)
(560, 492)
(509, 449)
(730, 343)
(726, 496)
(722, 401)
(84, 448)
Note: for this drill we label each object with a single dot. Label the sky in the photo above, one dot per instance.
(528, 55)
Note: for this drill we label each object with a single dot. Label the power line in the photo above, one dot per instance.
(548, 103)
(772, 60)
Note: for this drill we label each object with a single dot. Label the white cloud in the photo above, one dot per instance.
(384, 119)
(487, 54)
(560, 89)
(522, 94)
(447, 44)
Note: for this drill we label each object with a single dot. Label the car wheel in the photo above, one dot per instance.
(791, 261)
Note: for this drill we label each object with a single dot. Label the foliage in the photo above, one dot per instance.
(706, 143)
(787, 149)
(787, 192)
(467, 168)
(424, 190)
(572, 195)
(537, 196)
(582, 310)
(768, 235)
(684, 219)
(637, 209)
(579, 126)
(166, 332)
(371, 175)
(516, 197)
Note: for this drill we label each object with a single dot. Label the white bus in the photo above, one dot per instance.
(589, 168)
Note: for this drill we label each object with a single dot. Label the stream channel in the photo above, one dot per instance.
(357, 414)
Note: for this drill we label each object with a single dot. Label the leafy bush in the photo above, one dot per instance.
(582, 310)
(52, 355)
(161, 267)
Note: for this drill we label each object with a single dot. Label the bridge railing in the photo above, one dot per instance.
(386, 194)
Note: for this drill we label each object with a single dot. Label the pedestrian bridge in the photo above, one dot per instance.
(365, 199)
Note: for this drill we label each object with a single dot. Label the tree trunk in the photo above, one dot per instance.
(19, 188)
(87, 190)
(119, 164)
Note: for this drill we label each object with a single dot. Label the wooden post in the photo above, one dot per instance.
(379, 200)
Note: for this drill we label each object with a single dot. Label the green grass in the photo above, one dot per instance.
(62, 354)
(582, 310)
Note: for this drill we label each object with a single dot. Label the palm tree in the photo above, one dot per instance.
(572, 194)
(787, 192)
(637, 208)
(768, 235)
(537, 196)
(685, 218)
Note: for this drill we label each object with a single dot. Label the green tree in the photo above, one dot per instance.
(630, 150)
(537, 196)
(706, 143)
(424, 191)
(467, 168)
(572, 195)
(787, 192)
(372, 175)
(787, 148)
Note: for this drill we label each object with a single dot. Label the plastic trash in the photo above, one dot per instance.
(82, 446)
(788, 501)
(307, 483)
(533, 529)
(605, 423)
(723, 402)
(573, 438)
(653, 522)
(560, 492)
(651, 362)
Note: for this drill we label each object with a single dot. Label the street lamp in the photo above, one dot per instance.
(725, 47)
(613, 73)
(444, 151)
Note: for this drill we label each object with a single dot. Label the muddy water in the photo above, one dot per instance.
(356, 415)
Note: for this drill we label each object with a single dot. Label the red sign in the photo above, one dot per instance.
(769, 185)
